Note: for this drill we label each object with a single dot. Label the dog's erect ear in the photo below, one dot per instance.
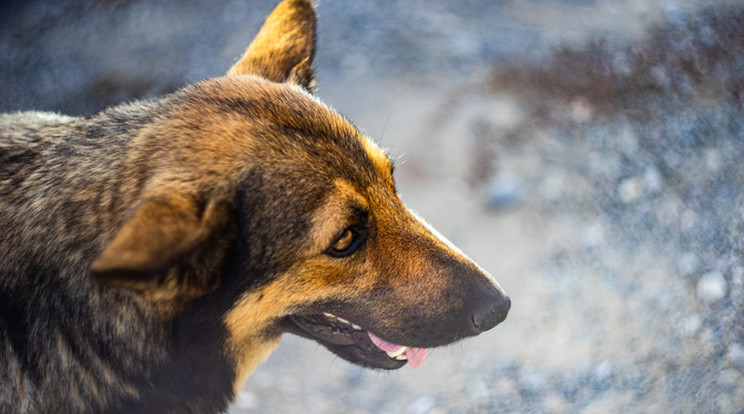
(284, 47)
(161, 232)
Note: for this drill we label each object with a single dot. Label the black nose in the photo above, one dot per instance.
(488, 316)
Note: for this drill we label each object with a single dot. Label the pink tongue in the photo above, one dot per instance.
(415, 356)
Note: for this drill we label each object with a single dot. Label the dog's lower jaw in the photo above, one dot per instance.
(249, 354)
(345, 339)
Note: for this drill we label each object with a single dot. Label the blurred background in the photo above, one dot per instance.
(586, 152)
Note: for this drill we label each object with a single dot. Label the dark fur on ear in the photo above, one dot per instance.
(284, 48)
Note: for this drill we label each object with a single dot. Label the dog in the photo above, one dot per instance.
(152, 255)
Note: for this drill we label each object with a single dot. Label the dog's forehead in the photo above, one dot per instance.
(289, 124)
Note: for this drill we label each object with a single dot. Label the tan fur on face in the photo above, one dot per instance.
(319, 277)
(255, 312)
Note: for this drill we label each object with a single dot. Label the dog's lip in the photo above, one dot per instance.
(330, 328)
(347, 340)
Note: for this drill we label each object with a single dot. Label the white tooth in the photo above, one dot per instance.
(401, 358)
(396, 353)
(329, 315)
(342, 320)
(357, 327)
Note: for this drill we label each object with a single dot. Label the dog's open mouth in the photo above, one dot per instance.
(353, 343)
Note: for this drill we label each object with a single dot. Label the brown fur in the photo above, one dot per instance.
(153, 254)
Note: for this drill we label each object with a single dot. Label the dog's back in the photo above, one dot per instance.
(57, 325)
(59, 180)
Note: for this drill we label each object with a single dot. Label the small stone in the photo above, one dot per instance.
(534, 381)
(691, 325)
(687, 263)
(506, 387)
(729, 378)
(688, 220)
(553, 187)
(602, 371)
(652, 180)
(659, 74)
(735, 355)
(712, 160)
(630, 190)
(478, 391)
(706, 339)
(555, 403)
(737, 277)
(505, 190)
(581, 111)
(711, 287)
(627, 142)
(593, 235)
(421, 405)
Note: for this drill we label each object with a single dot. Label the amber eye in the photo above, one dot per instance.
(346, 243)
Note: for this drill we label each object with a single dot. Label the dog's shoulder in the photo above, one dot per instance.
(31, 128)
(33, 119)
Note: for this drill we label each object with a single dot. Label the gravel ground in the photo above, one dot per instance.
(586, 153)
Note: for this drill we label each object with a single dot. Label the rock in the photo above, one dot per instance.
(627, 141)
(653, 180)
(556, 403)
(478, 392)
(735, 355)
(601, 376)
(506, 387)
(690, 325)
(687, 263)
(593, 235)
(729, 378)
(713, 160)
(506, 190)
(422, 404)
(534, 381)
(581, 111)
(688, 220)
(711, 287)
(630, 190)
(553, 186)
(737, 277)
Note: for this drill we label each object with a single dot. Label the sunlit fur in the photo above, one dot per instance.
(150, 254)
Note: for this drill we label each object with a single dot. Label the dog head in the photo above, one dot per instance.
(264, 203)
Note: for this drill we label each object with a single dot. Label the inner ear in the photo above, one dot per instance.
(161, 232)
(283, 49)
